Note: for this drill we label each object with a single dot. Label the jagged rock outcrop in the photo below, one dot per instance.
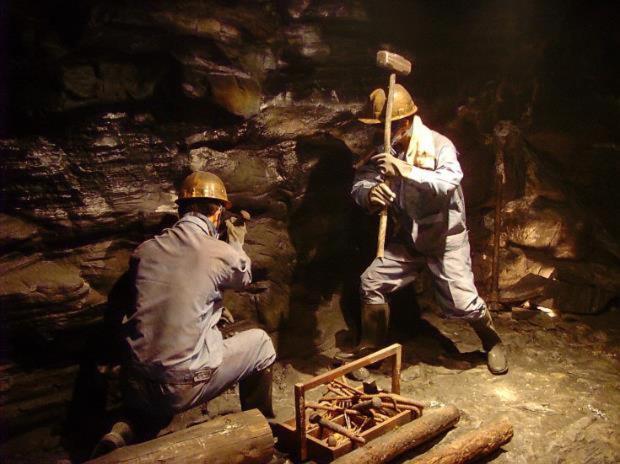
(113, 102)
(77, 206)
(263, 94)
(544, 225)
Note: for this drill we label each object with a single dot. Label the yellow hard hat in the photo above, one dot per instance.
(202, 184)
(374, 112)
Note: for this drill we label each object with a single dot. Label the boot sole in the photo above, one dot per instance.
(502, 372)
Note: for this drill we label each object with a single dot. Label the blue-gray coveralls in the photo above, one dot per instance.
(430, 209)
(178, 357)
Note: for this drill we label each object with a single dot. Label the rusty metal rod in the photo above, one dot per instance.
(324, 407)
(337, 398)
(399, 399)
(316, 418)
(346, 387)
(367, 404)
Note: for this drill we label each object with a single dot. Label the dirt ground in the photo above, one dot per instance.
(562, 393)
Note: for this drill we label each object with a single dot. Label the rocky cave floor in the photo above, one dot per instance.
(562, 393)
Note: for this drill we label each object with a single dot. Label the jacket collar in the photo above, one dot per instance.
(201, 221)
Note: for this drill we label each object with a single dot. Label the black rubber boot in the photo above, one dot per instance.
(122, 434)
(492, 344)
(255, 392)
(375, 319)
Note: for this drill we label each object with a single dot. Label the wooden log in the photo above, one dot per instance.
(385, 448)
(242, 438)
(469, 446)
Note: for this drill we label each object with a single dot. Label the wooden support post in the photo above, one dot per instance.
(385, 448)
(300, 420)
(500, 180)
(470, 446)
(396, 366)
(243, 438)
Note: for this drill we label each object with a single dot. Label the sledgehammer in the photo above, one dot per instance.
(395, 64)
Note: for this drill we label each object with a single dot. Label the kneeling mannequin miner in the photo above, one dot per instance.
(176, 355)
(419, 179)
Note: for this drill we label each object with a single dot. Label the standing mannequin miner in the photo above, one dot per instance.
(420, 182)
(177, 357)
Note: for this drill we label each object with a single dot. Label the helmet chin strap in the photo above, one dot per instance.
(220, 221)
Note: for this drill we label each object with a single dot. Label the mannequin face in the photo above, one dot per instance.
(216, 218)
(400, 135)
(401, 131)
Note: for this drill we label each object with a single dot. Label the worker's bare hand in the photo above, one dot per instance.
(391, 166)
(381, 195)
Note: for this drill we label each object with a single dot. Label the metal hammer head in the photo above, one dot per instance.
(393, 62)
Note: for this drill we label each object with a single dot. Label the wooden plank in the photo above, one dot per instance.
(242, 438)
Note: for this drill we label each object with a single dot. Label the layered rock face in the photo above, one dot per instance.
(113, 103)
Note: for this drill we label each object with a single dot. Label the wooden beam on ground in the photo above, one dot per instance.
(470, 446)
(385, 448)
(242, 438)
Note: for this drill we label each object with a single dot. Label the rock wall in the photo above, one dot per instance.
(113, 103)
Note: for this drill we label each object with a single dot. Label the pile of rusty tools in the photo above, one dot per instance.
(344, 424)
(340, 417)
(344, 412)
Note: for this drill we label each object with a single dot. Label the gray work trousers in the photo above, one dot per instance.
(244, 354)
(453, 279)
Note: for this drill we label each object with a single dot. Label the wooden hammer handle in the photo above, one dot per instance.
(383, 215)
(387, 146)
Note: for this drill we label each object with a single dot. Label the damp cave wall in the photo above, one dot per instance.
(110, 104)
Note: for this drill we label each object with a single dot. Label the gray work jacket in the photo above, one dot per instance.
(178, 276)
(429, 204)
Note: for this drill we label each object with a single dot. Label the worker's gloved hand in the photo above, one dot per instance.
(226, 323)
(391, 166)
(381, 195)
(226, 318)
(236, 231)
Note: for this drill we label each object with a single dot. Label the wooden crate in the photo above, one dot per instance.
(318, 450)
(298, 437)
